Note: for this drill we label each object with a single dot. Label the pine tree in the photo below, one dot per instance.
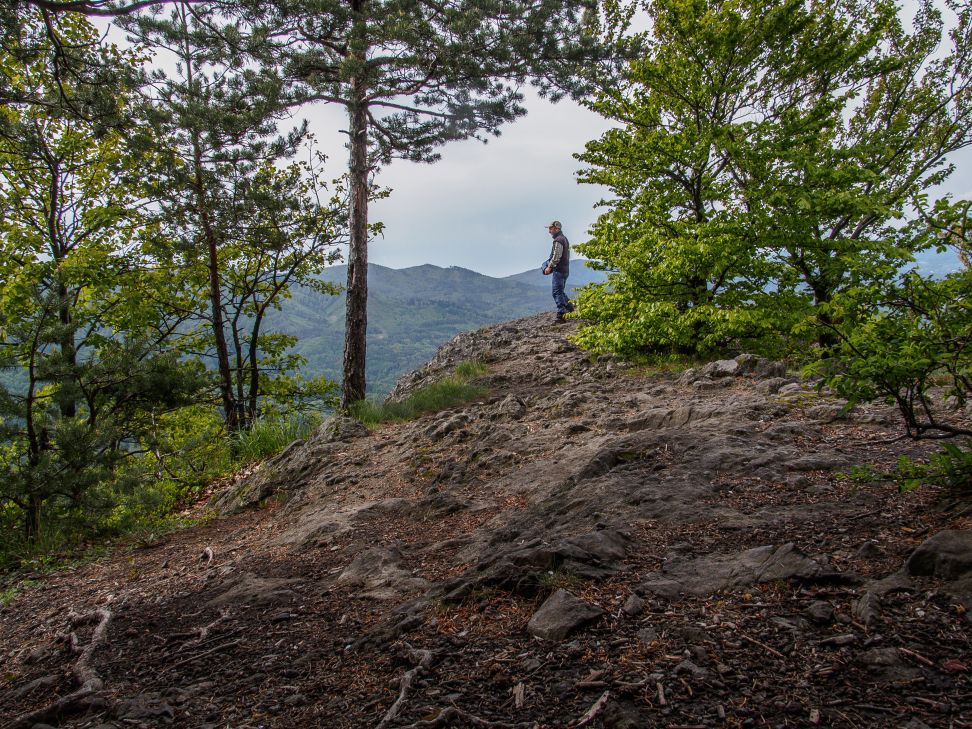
(234, 225)
(413, 76)
(85, 357)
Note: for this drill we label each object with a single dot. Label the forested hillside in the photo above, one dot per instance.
(411, 312)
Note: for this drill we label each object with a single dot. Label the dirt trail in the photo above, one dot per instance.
(705, 567)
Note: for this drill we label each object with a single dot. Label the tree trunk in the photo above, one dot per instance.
(215, 296)
(32, 518)
(253, 397)
(356, 316)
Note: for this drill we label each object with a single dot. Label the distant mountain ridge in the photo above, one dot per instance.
(411, 313)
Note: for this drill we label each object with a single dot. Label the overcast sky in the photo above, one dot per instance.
(482, 206)
(486, 206)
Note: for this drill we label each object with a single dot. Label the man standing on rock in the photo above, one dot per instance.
(559, 266)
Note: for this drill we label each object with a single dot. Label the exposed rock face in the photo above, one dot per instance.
(292, 468)
(705, 575)
(716, 568)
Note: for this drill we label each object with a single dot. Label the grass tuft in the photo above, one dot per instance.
(269, 437)
(457, 388)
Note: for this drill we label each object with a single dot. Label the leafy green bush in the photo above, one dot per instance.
(457, 388)
(141, 499)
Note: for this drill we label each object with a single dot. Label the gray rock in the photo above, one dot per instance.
(820, 612)
(705, 575)
(647, 635)
(690, 668)
(751, 365)
(867, 608)
(249, 589)
(868, 550)
(896, 582)
(378, 572)
(291, 469)
(720, 368)
(511, 407)
(669, 589)
(880, 657)
(633, 606)
(342, 429)
(561, 614)
(948, 555)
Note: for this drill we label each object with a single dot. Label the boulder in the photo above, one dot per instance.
(947, 554)
(561, 614)
(378, 572)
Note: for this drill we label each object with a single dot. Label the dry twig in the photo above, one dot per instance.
(594, 710)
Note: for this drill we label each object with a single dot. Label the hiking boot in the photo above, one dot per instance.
(570, 306)
(560, 318)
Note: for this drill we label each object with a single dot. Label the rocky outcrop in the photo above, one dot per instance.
(292, 469)
(589, 543)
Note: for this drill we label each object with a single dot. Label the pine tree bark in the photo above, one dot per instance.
(356, 315)
(215, 298)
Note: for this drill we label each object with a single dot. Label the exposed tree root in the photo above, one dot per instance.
(422, 660)
(84, 674)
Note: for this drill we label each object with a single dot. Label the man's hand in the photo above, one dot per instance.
(548, 270)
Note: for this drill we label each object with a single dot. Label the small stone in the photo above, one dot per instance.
(880, 657)
(690, 667)
(633, 606)
(560, 614)
(948, 555)
(868, 550)
(867, 608)
(820, 612)
(647, 635)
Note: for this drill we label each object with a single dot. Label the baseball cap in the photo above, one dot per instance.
(555, 224)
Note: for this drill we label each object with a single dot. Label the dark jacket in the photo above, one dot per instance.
(560, 254)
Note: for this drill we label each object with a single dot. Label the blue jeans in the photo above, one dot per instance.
(558, 281)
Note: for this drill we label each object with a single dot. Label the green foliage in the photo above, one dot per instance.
(897, 341)
(764, 155)
(236, 224)
(950, 468)
(268, 437)
(450, 391)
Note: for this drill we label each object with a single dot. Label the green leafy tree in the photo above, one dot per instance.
(686, 270)
(765, 154)
(854, 152)
(86, 356)
(900, 341)
(414, 76)
(230, 224)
